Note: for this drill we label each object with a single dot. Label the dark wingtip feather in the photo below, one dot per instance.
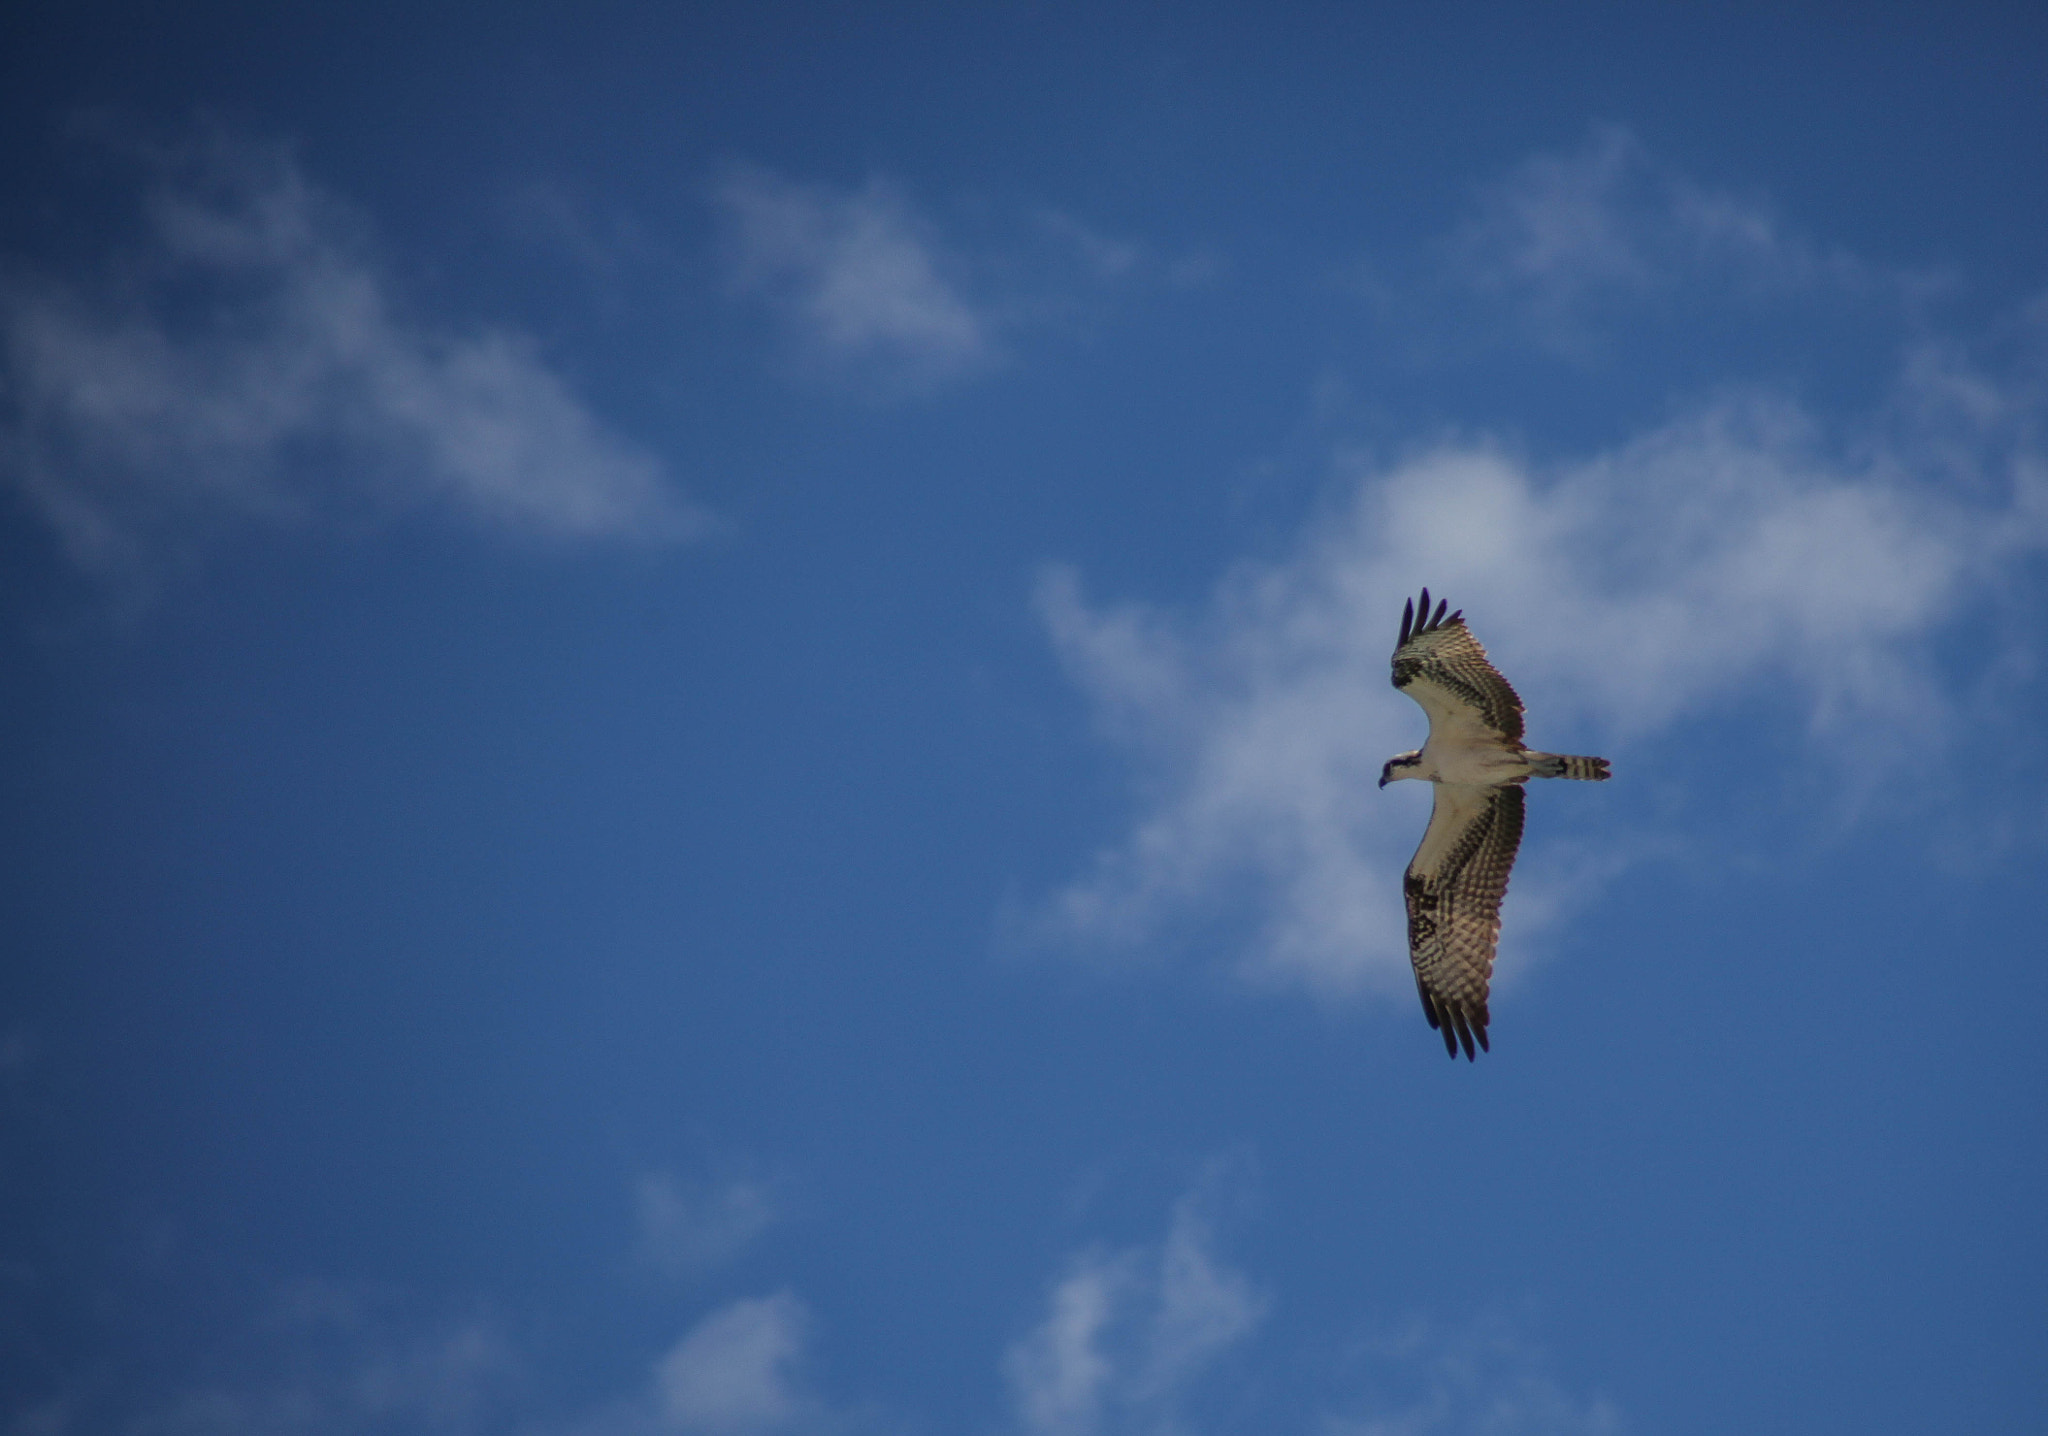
(1419, 617)
(1459, 1026)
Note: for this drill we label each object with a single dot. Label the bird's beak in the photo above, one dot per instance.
(1383, 780)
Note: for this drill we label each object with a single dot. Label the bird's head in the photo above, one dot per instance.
(1401, 765)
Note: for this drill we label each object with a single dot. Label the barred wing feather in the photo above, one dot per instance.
(1442, 666)
(1454, 889)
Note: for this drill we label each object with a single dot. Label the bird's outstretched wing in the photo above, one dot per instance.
(1454, 888)
(1440, 665)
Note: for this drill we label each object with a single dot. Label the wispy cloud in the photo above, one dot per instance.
(344, 1363)
(872, 290)
(1605, 228)
(1746, 552)
(1158, 1338)
(1127, 1333)
(1565, 224)
(252, 363)
(734, 1371)
(1106, 259)
(1570, 250)
(860, 277)
(686, 1226)
(1437, 1380)
(1146, 1340)
(332, 1358)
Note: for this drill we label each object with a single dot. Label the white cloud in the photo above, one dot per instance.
(872, 291)
(330, 1358)
(1103, 256)
(1132, 1339)
(1735, 554)
(252, 363)
(1605, 234)
(342, 1364)
(1484, 1379)
(1057, 1374)
(860, 276)
(732, 1373)
(1560, 223)
(1126, 1334)
(686, 1226)
(1139, 1341)
(1074, 248)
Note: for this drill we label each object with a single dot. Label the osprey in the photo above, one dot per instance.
(1476, 759)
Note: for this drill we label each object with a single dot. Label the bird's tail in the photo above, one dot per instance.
(1567, 765)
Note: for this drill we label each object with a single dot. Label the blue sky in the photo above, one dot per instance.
(693, 697)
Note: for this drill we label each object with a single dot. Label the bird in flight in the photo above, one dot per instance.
(1475, 758)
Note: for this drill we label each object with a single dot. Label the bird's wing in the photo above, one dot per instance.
(1440, 665)
(1454, 888)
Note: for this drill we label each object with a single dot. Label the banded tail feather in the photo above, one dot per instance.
(1569, 765)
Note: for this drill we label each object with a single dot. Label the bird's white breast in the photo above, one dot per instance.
(1478, 759)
